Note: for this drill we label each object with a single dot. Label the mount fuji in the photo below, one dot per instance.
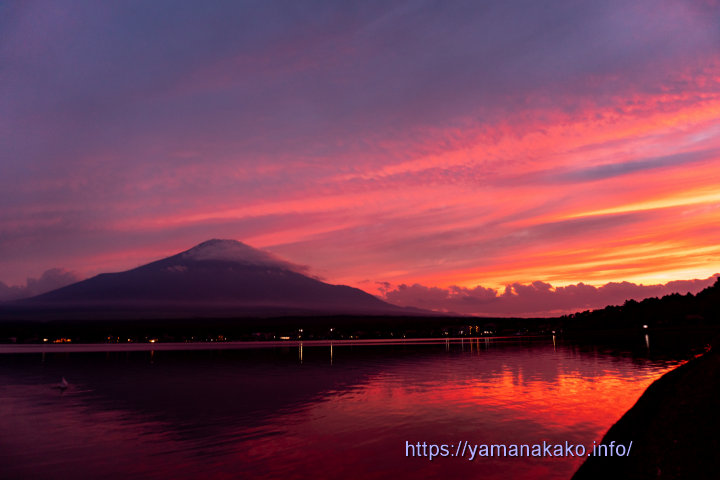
(217, 278)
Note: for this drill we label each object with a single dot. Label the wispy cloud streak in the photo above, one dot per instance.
(454, 144)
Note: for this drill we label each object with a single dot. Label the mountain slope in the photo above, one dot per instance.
(217, 277)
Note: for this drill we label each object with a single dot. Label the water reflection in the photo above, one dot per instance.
(276, 412)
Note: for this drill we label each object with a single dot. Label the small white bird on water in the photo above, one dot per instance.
(63, 385)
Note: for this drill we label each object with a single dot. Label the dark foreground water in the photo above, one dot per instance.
(306, 411)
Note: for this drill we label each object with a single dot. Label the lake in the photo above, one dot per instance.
(309, 410)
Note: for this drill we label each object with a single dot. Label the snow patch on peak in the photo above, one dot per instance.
(238, 252)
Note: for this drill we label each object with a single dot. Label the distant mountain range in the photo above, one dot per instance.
(217, 278)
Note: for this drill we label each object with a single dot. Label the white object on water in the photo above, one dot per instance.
(63, 384)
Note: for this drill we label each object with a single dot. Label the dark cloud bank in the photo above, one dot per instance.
(535, 299)
(516, 299)
(50, 280)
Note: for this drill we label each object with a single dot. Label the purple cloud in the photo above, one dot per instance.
(49, 280)
(116, 117)
(535, 299)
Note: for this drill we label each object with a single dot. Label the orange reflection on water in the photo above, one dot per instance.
(348, 410)
(553, 396)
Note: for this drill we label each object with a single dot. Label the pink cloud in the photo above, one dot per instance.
(534, 299)
(357, 142)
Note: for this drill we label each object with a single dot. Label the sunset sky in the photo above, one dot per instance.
(405, 148)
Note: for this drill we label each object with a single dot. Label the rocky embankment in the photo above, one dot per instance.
(674, 427)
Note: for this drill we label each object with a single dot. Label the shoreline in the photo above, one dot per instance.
(230, 345)
(674, 427)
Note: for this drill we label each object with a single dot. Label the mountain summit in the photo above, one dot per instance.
(217, 278)
(236, 252)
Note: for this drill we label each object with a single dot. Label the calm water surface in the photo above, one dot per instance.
(310, 411)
